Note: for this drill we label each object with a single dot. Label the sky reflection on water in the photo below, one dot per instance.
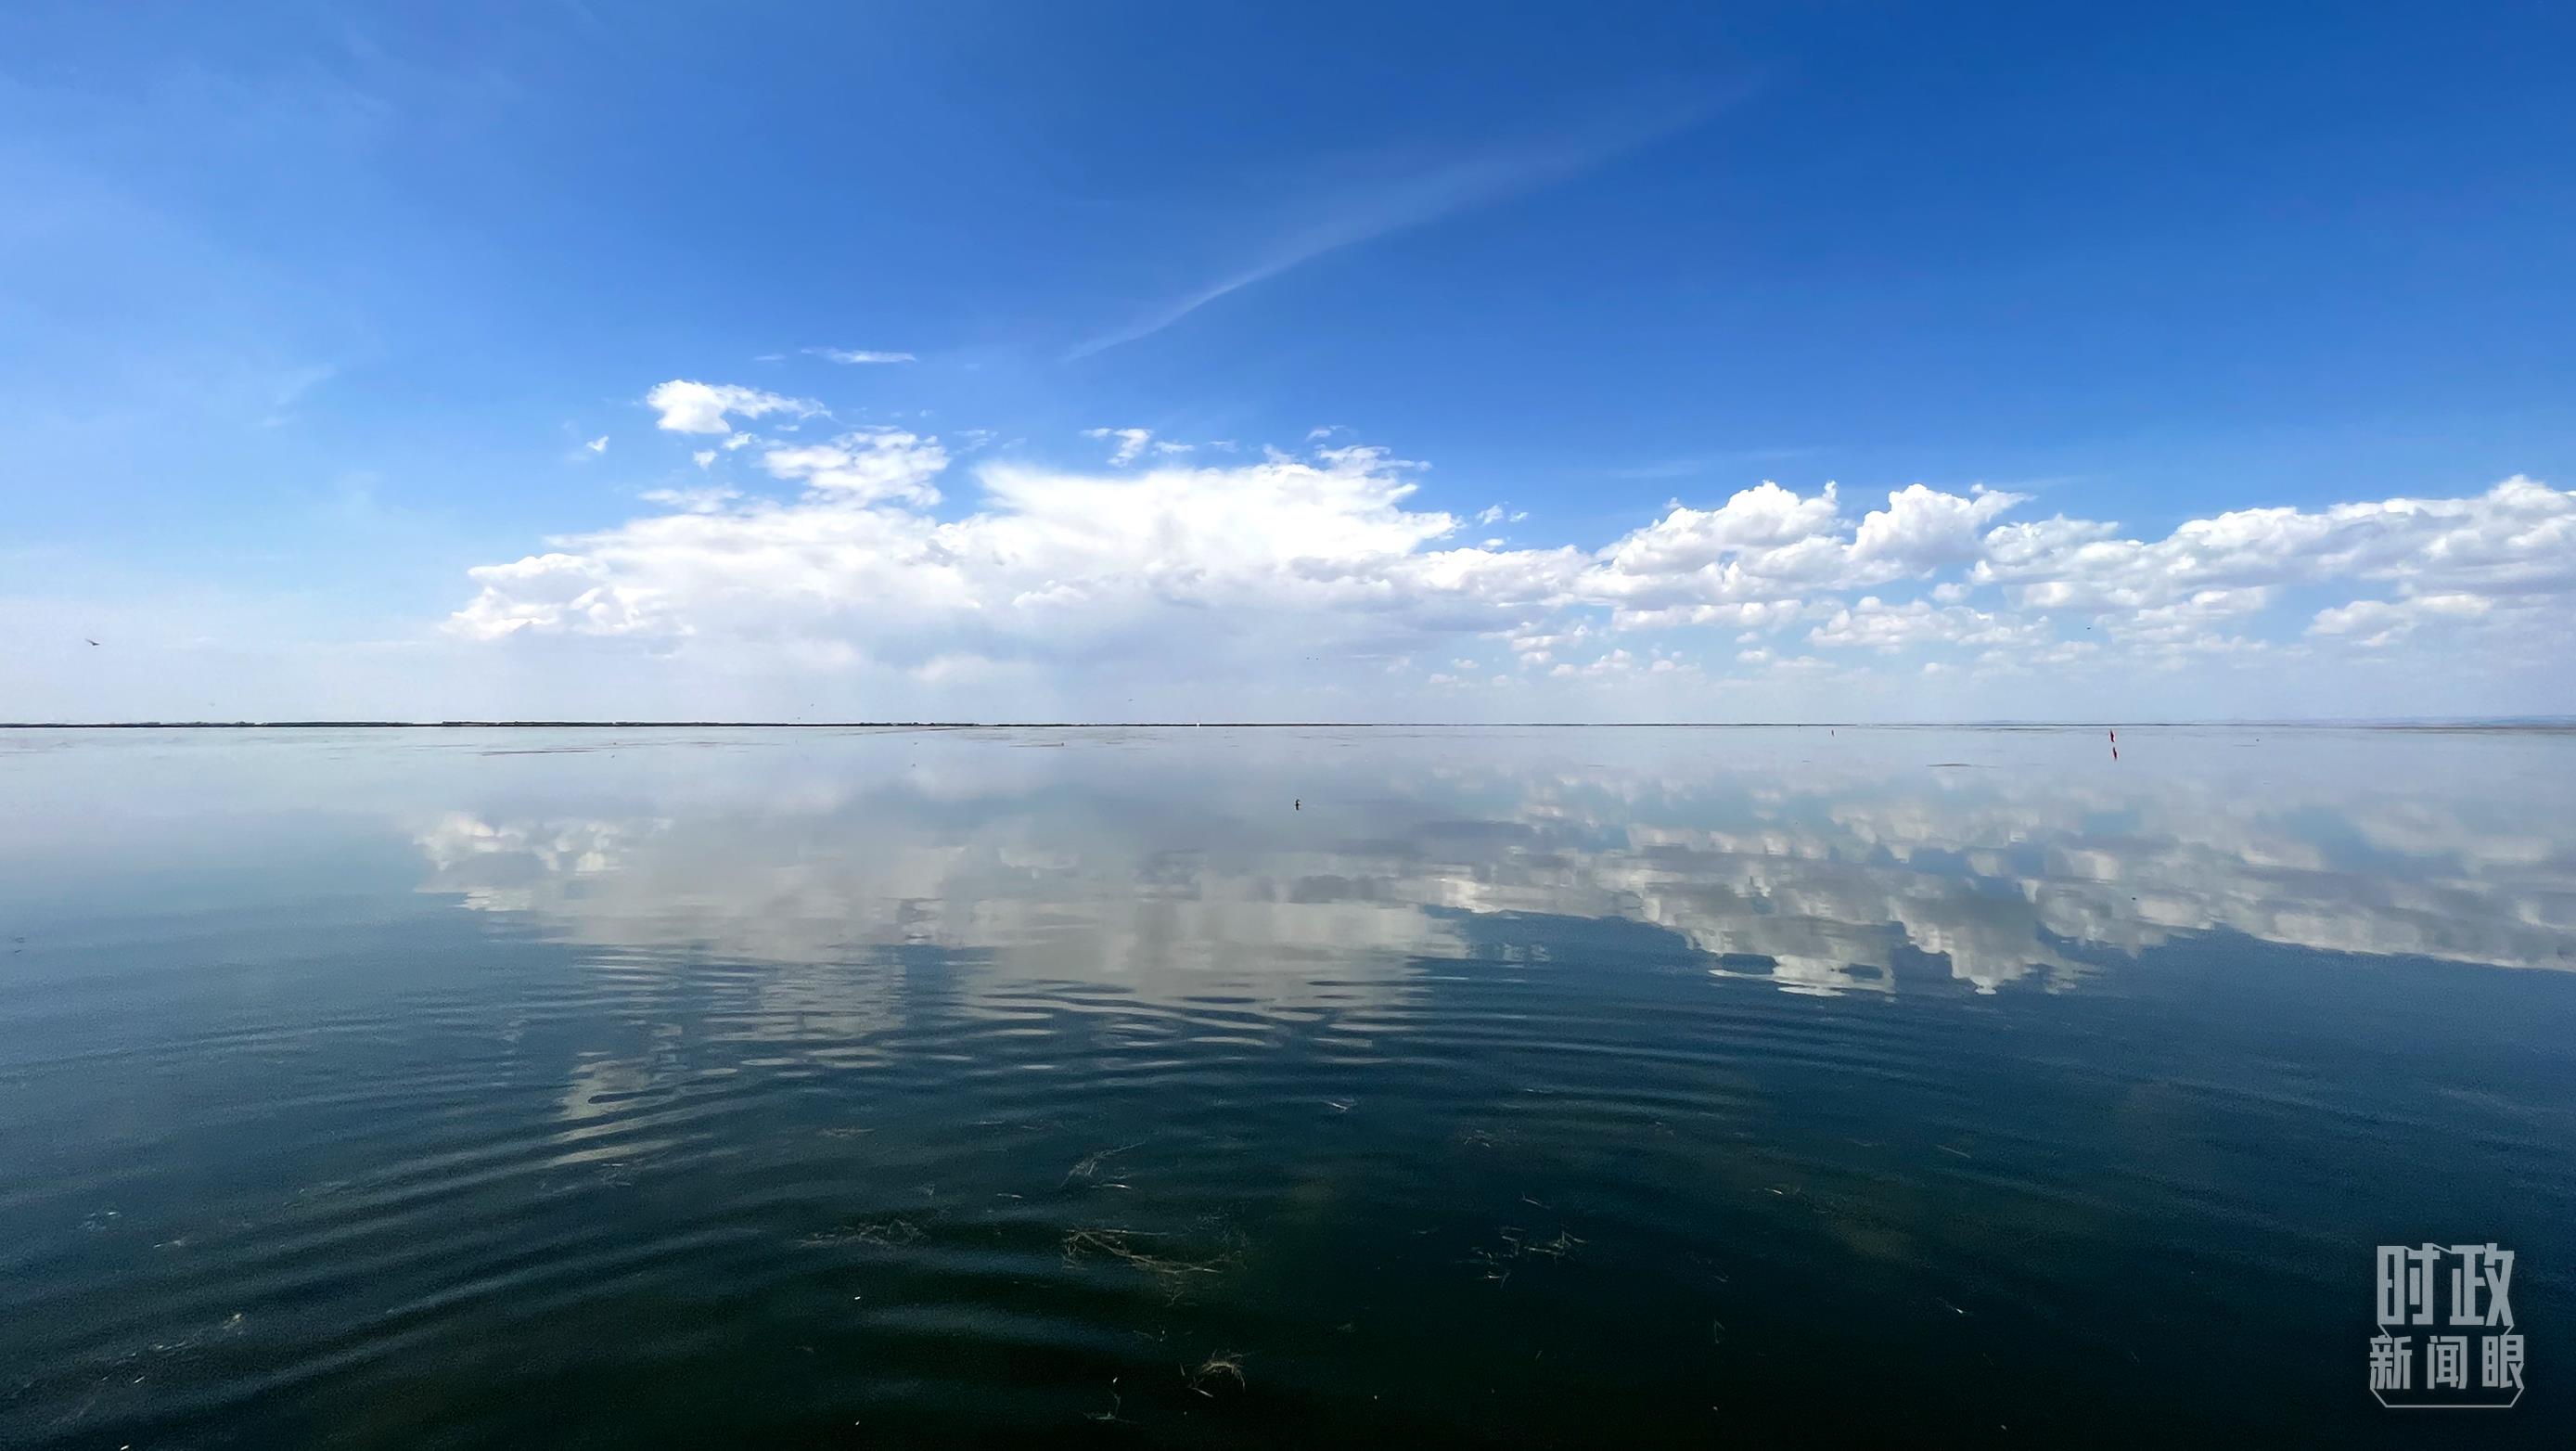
(1526, 1085)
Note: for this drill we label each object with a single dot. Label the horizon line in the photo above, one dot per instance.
(2357, 722)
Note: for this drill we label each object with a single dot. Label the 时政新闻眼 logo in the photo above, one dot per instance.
(2446, 1333)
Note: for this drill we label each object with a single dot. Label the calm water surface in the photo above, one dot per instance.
(1299, 1088)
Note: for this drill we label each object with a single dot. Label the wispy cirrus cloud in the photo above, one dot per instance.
(857, 355)
(1415, 197)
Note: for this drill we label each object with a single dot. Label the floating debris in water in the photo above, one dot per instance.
(1089, 1164)
(1217, 1367)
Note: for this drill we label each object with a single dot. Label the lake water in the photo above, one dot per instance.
(1270, 1087)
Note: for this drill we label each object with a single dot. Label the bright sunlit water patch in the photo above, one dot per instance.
(1293, 1087)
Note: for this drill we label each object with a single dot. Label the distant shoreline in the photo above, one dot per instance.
(2543, 724)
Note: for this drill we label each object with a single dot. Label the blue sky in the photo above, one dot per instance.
(1450, 333)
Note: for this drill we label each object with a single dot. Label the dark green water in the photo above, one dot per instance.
(1563, 1087)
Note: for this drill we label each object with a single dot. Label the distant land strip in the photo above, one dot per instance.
(2504, 724)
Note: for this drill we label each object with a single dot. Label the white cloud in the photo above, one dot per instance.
(1876, 625)
(1773, 547)
(2193, 625)
(688, 407)
(1291, 568)
(1753, 616)
(1050, 562)
(865, 466)
(1131, 441)
(693, 501)
(598, 445)
(547, 592)
(1922, 529)
(859, 355)
(2517, 538)
(1755, 521)
(1766, 544)
(2373, 623)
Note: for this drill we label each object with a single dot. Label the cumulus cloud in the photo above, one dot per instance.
(1051, 561)
(688, 407)
(1922, 529)
(2516, 538)
(865, 466)
(545, 591)
(1874, 624)
(2373, 623)
(1166, 564)
(1753, 615)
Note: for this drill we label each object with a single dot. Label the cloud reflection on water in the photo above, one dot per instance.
(1174, 867)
